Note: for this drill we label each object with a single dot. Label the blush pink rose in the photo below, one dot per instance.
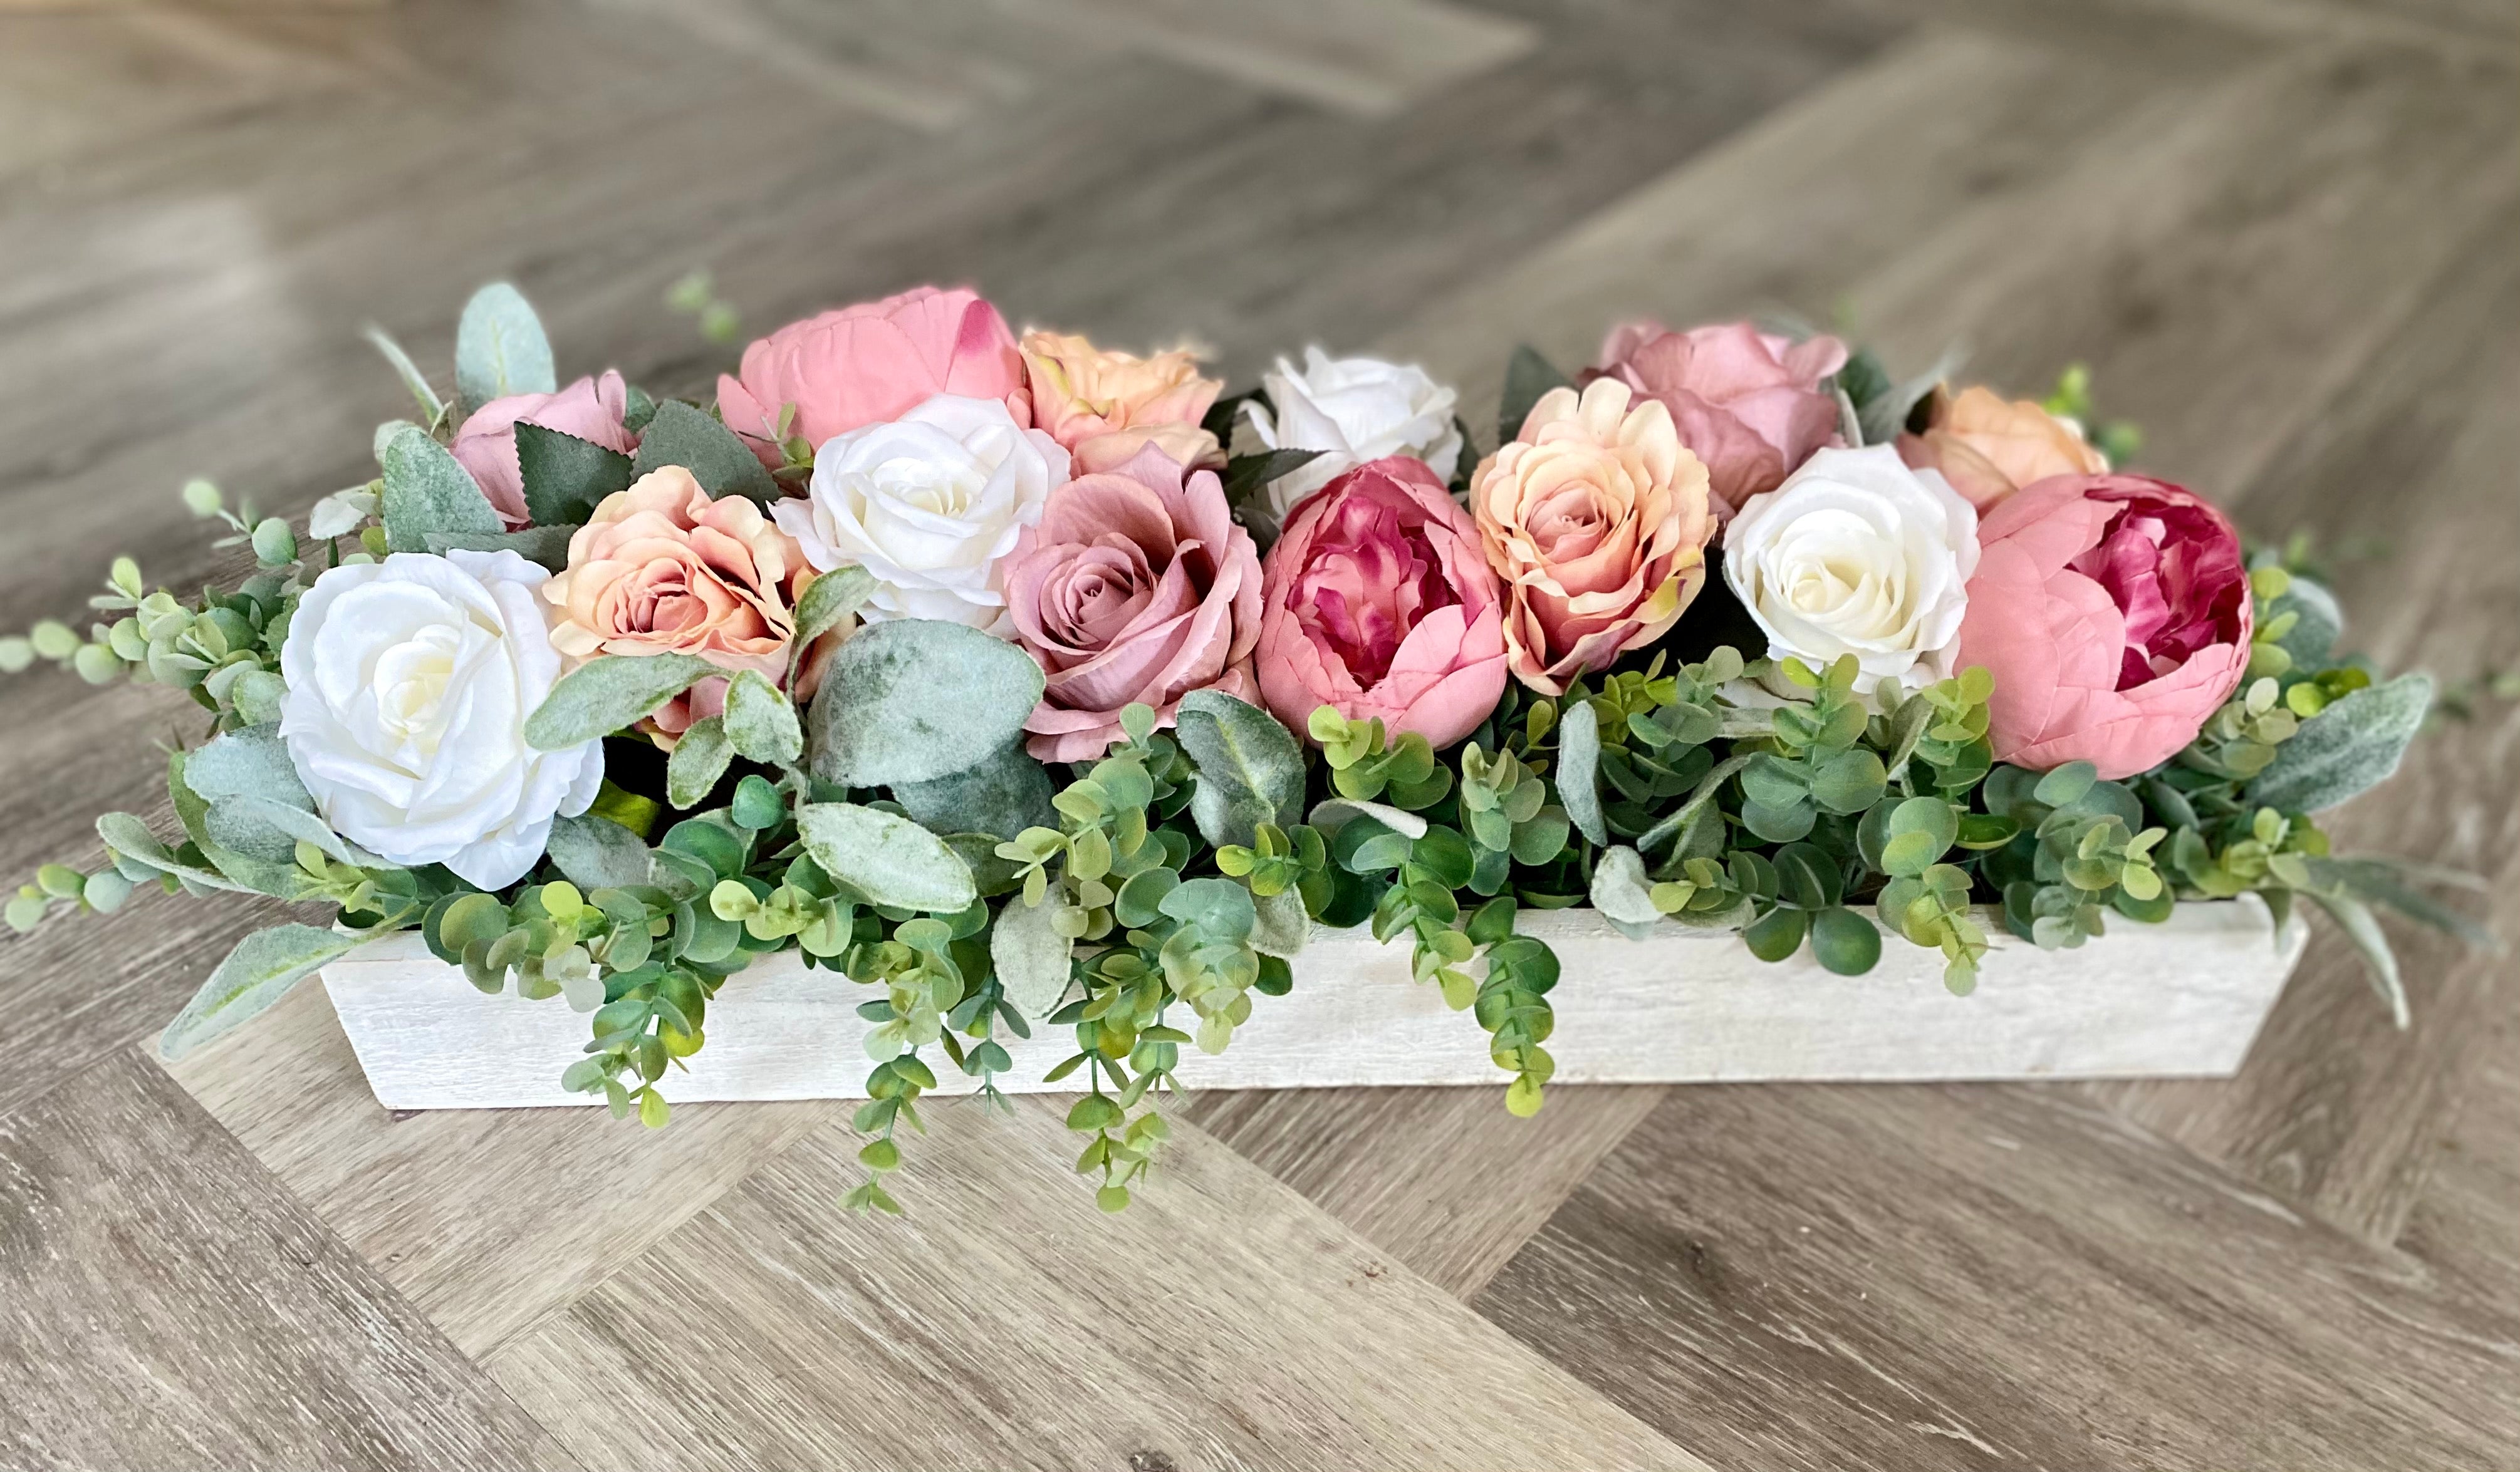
(2114, 613)
(1379, 600)
(1752, 405)
(870, 364)
(592, 409)
(1135, 588)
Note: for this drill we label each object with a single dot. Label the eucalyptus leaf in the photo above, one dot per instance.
(597, 853)
(1527, 376)
(1220, 908)
(546, 547)
(500, 348)
(1250, 767)
(606, 694)
(1003, 795)
(426, 490)
(567, 477)
(760, 721)
(258, 972)
(2346, 748)
(1579, 762)
(913, 700)
(886, 858)
(681, 435)
(1030, 957)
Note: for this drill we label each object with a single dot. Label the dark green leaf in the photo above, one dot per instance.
(1845, 943)
(1775, 935)
(1004, 794)
(543, 546)
(1527, 376)
(681, 435)
(567, 477)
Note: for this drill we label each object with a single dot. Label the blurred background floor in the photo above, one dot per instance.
(2280, 230)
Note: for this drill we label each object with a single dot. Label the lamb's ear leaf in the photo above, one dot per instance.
(500, 348)
(681, 435)
(830, 598)
(597, 853)
(567, 477)
(427, 490)
(760, 721)
(2346, 748)
(1003, 795)
(914, 700)
(700, 757)
(1030, 957)
(1527, 375)
(1579, 761)
(885, 857)
(1250, 767)
(604, 694)
(409, 372)
(1620, 889)
(258, 972)
(544, 547)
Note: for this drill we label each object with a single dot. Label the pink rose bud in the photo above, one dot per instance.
(870, 364)
(1750, 404)
(1135, 588)
(592, 409)
(1377, 601)
(2114, 613)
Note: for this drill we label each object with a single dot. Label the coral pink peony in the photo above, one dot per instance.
(1379, 600)
(662, 568)
(1752, 405)
(2114, 613)
(592, 409)
(872, 362)
(1136, 587)
(1988, 448)
(1106, 406)
(1598, 520)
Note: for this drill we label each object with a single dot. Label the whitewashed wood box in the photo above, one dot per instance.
(2183, 998)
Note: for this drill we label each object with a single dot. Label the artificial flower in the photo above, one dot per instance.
(1989, 448)
(1352, 410)
(590, 409)
(409, 684)
(1107, 406)
(864, 364)
(1856, 553)
(1752, 405)
(1379, 601)
(663, 569)
(2114, 613)
(929, 503)
(1598, 520)
(1137, 588)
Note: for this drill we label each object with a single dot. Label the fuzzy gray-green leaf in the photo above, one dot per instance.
(681, 435)
(1003, 795)
(1620, 889)
(699, 758)
(426, 490)
(886, 858)
(1250, 769)
(603, 695)
(500, 348)
(1579, 761)
(2349, 747)
(258, 972)
(1030, 957)
(760, 721)
(913, 700)
(597, 853)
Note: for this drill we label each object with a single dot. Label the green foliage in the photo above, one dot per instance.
(426, 490)
(567, 477)
(681, 435)
(500, 348)
(1001, 796)
(913, 700)
(603, 696)
(2347, 748)
(1527, 376)
(1250, 771)
(257, 974)
(886, 858)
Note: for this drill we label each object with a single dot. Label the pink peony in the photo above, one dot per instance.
(1750, 404)
(1136, 587)
(592, 409)
(870, 364)
(2114, 613)
(1379, 600)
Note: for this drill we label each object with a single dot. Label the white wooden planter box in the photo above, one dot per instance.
(2182, 998)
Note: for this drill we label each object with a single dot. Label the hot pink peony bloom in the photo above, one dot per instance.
(2114, 613)
(1748, 403)
(592, 409)
(1136, 587)
(1379, 600)
(872, 362)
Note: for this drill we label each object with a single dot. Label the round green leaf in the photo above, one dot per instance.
(1845, 942)
(1775, 935)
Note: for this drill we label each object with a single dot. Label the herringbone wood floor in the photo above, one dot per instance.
(2280, 231)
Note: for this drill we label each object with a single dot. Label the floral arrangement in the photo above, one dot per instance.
(980, 671)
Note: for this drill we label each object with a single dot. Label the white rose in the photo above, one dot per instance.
(931, 505)
(409, 684)
(1353, 410)
(1856, 553)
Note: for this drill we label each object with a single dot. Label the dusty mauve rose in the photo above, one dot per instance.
(592, 409)
(1749, 404)
(1597, 519)
(1104, 407)
(2114, 613)
(1989, 448)
(662, 568)
(1379, 601)
(1135, 588)
(872, 362)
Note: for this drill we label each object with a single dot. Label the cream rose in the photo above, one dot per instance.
(409, 684)
(1353, 410)
(1106, 406)
(930, 504)
(1856, 553)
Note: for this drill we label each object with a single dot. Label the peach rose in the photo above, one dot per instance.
(1597, 519)
(1104, 407)
(1988, 448)
(662, 568)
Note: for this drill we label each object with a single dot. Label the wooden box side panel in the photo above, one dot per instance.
(2184, 998)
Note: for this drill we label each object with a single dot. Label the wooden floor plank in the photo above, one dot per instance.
(488, 1221)
(2003, 1276)
(1443, 1179)
(164, 1303)
(1222, 1321)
